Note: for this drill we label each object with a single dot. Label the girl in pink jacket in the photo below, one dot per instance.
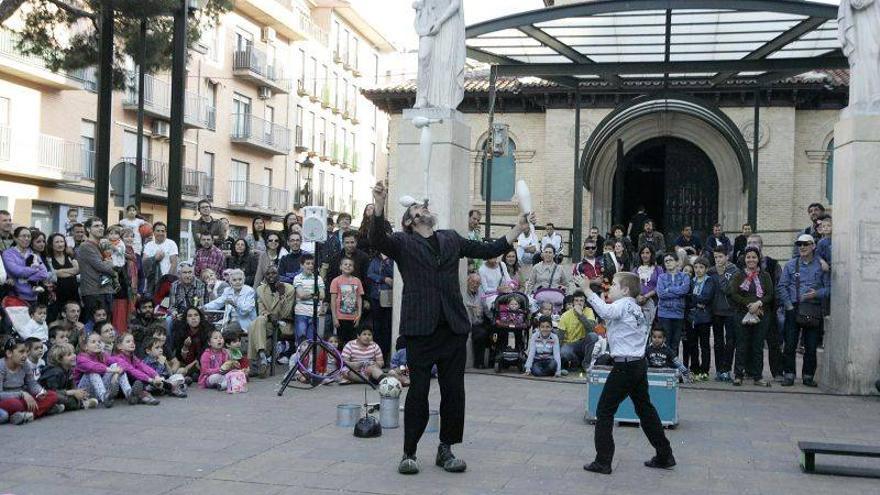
(214, 363)
(139, 373)
(97, 374)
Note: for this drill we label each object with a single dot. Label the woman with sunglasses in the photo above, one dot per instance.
(269, 257)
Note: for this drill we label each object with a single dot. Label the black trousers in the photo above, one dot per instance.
(449, 352)
(627, 380)
(480, 336)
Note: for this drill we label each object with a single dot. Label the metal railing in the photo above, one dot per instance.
(307, 26)
(299, 136)
(255, 60)
(59, 155)
(335, 156)
(155, 176)
(248, 127)
(88, 163)
(257, 196)
(9, 47)
(157, 99)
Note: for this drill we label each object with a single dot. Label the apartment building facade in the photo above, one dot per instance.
(275, 83)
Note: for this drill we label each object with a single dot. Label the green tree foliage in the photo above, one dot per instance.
(65, 32)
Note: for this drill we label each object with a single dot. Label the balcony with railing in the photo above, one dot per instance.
(335, 157)
(346, 157)
(325, 96)
(355, 158)
(253, 65)
(29, 67)
(260, 134)
(300, 145)
(285, 17)
(49, 158)
(198, 112)
(257, 198)
(196, 185)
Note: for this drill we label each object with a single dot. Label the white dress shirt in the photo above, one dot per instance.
(625, 323)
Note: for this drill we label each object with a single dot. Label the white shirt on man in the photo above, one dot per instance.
(491, 278)
(524, 241)
(169, 247)
(554, 239)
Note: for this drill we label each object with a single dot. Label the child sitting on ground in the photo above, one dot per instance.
(236, 378)
(399, 369)
(21, 398)
(36, 326)
(363, 357)
(57, 335)
(108, 336)
(58, 376)
(140, 376)
(99, 316)
(174, 383)
(35, 351)
(94, 372)
(659, 355)
(543, 358)
(323, 364)
(215, 363)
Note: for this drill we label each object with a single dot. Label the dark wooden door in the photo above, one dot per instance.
(691, 190)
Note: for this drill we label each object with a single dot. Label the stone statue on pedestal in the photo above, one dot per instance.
(859, 33)
(440, 26)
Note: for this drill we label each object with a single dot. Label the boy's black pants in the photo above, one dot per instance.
(628, 379)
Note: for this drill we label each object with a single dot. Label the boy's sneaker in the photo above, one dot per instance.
(21, 418)
(134, 396)
(408, 465)
(90, 403)
(148, 400)
(595, 467)
(282, 360)
(564, 372)
(56, 409)
(658, 462)
(725, 376)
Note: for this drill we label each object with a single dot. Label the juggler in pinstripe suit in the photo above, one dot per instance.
(433, 319)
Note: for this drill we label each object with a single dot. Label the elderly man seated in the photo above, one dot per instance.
(275, 300)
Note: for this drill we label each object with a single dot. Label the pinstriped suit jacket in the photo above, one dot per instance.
(430, 279)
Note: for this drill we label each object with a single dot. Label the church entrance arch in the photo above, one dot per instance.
(674, 180)
(706, 165)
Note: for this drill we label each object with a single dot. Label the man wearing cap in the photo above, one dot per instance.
(436, 323)
(801, 289)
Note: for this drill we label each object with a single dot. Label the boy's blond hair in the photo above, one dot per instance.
(630, 282)
(59, 351)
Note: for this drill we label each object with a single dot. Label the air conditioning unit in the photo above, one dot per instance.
(264, 93)
(161, 129)
(268, 34)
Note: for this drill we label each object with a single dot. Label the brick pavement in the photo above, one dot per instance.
(522, 436)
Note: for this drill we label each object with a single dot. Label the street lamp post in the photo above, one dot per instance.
(306, 168)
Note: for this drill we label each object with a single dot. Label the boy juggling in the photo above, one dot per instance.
(627, 333)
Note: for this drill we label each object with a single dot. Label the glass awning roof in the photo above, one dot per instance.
(764, 40)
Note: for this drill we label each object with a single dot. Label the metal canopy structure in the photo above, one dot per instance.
(748, 43)
(615, 40)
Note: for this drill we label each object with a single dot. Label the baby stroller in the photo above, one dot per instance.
(510, 329)
(553, 296)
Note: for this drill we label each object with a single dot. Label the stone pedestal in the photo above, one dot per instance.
(449, 178)
(851, 361)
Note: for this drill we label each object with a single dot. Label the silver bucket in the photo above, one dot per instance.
(389, 412)
(433, 421)
(348, 414)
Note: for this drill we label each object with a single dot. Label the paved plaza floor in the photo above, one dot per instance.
(523, 436)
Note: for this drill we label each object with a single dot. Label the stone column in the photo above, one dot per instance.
(851, 361)
(449, 179)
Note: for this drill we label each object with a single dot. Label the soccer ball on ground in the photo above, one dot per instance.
(389, 387)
